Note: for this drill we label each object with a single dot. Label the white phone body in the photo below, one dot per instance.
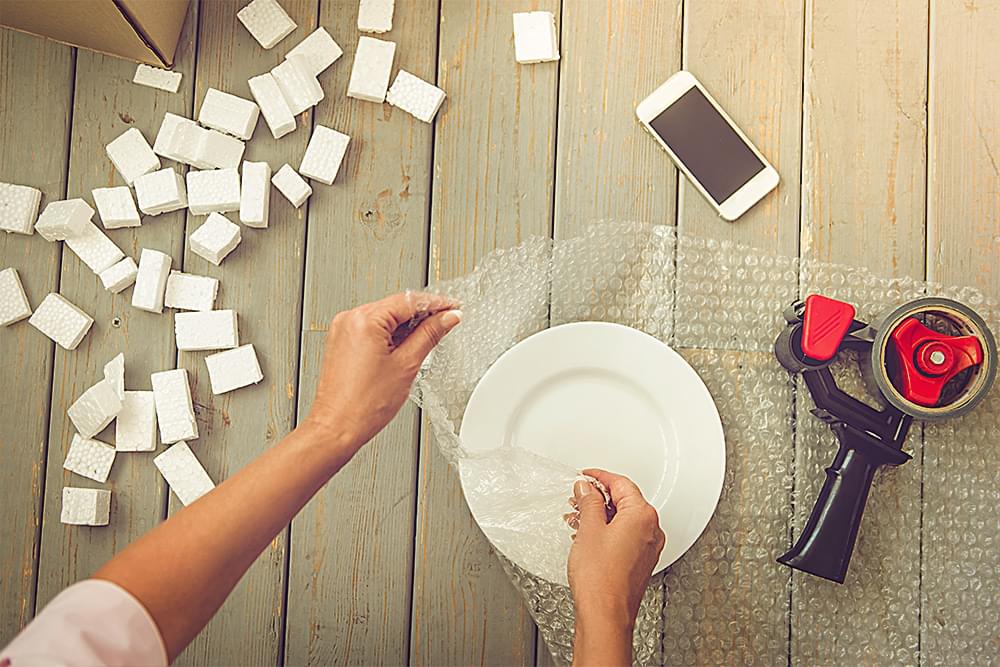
(733, 195)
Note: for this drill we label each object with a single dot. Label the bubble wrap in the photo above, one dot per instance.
(720, 305)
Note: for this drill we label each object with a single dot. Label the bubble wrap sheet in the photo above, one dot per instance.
(924, 572)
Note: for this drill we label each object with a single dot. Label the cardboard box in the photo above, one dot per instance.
(146, 31)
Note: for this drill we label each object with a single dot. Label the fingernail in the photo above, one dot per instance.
(582, 488)
(451, 318)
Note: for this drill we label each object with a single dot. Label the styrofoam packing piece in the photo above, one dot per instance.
(174, 410)
(186, 291)
(535, 38)
(184, 473)
(135, 425)
(132, 155)
(233, 369)
(267, 21)
(324, 154)
(160, 192)
(95, 408)
(218, 151)
(62, 219)
(18, 208)
(297, 83)
(319, 49)
(177, 139)
(154, 77)
(90, 458)
(151, 280)
(375, 15)
(228, 113)
(208, 330)
(14, 305)
(116, 206)
(61, 321)
(255, 194)
(291, 185)
(85, 507)
(120, 276)
(273, 106)
(114, 374)
(215, 239)
(371, 69)
(95, 249)
(213, 190)
(415, 96)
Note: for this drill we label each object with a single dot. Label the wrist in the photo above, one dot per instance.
(329, 437)
(603, 636)
(608, 612)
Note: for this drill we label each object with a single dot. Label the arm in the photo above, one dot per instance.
(183, 570)
(609, 567)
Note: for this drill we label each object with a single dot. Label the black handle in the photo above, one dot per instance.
(825, 546)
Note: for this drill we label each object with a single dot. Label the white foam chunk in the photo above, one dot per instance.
(219, 151)
(415, 96)
(375, 15)
(298, 85)
(535, 39)
(184, 473)
(62, 219)
(228, 113)
(114, 374)
(151, 280)
(213, 190)
(209, 330)
(18, 208)
(14, 305)
(95, 249)
(186, 291)
(233, 369)
(255, 194)
(182, 140)
(273, 106)
(132, 155)
(371, 70)
(90, 458)
(116, 206)
(118, 277)
(324, 154)
(174, 410)
(160, 192)
(319, 49)
(154, 77)
(293, 186)
(135, 425)
(215, 239)
(267, 21)
(61, 321)
(85, 507)
(94, 409)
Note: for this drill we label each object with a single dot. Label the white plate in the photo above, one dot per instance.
(601, 395)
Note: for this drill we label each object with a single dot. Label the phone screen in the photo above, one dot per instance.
(707, 145)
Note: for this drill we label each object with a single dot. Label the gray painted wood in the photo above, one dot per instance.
(500, 118)
(256, 280)
(352, 547)
(35, 101)
(106, 103)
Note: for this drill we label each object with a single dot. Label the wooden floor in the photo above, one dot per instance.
(882, 119)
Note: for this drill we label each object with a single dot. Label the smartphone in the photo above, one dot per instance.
(706, 145)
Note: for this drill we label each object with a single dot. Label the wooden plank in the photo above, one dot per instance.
(36, 91)
(352, 546)
(960, 558)
(494, 147)
(262, 281)
(863, 205)
(106, 104)
(749, 56)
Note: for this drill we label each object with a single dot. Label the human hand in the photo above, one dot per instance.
(369, 363)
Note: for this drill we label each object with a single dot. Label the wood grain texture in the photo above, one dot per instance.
(351, 554)
(262, 281)
(495, 139)
(35, 101)
(106, 104)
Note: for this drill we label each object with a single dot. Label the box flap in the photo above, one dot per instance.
(159, 22)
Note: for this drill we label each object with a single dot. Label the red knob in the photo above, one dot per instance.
(928, 360)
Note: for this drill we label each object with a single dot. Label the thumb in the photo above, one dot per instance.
(590, 502)
(427, 335)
